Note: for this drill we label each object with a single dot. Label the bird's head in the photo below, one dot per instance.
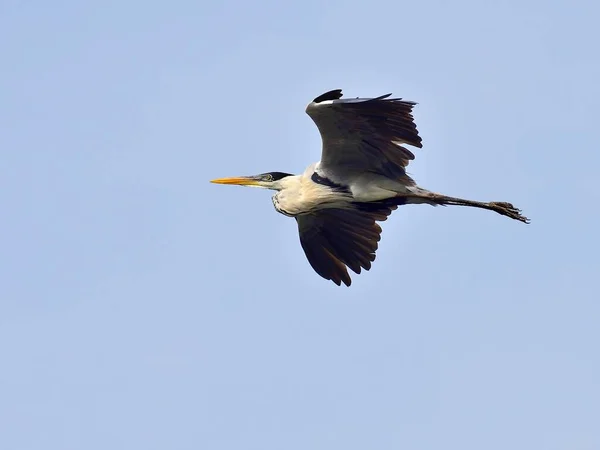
(269, 180)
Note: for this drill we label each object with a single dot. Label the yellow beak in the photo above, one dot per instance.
(241, 181)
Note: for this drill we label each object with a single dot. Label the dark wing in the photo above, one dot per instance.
(364, 134)
(334, 239)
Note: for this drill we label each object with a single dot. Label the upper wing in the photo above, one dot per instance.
(364, 134)
(335, 238)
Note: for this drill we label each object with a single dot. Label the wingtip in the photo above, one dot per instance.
(335, 94)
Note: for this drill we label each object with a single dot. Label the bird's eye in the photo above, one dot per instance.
(268, 177)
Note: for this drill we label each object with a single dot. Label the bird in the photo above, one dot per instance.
(359, 181)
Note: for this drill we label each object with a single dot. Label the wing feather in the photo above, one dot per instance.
(334, 240)
(365, 134)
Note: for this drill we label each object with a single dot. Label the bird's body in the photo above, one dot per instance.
(311, 191)
(360, 179)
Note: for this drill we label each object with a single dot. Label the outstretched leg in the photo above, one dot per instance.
(504, 208)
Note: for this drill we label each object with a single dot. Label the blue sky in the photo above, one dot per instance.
(143, 307)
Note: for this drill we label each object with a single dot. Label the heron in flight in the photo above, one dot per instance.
(360, 179)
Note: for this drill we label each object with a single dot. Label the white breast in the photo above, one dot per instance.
(300, 195)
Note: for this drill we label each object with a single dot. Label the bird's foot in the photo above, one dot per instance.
(507, 209)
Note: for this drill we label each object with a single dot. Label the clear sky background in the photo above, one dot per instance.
(142, 307)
